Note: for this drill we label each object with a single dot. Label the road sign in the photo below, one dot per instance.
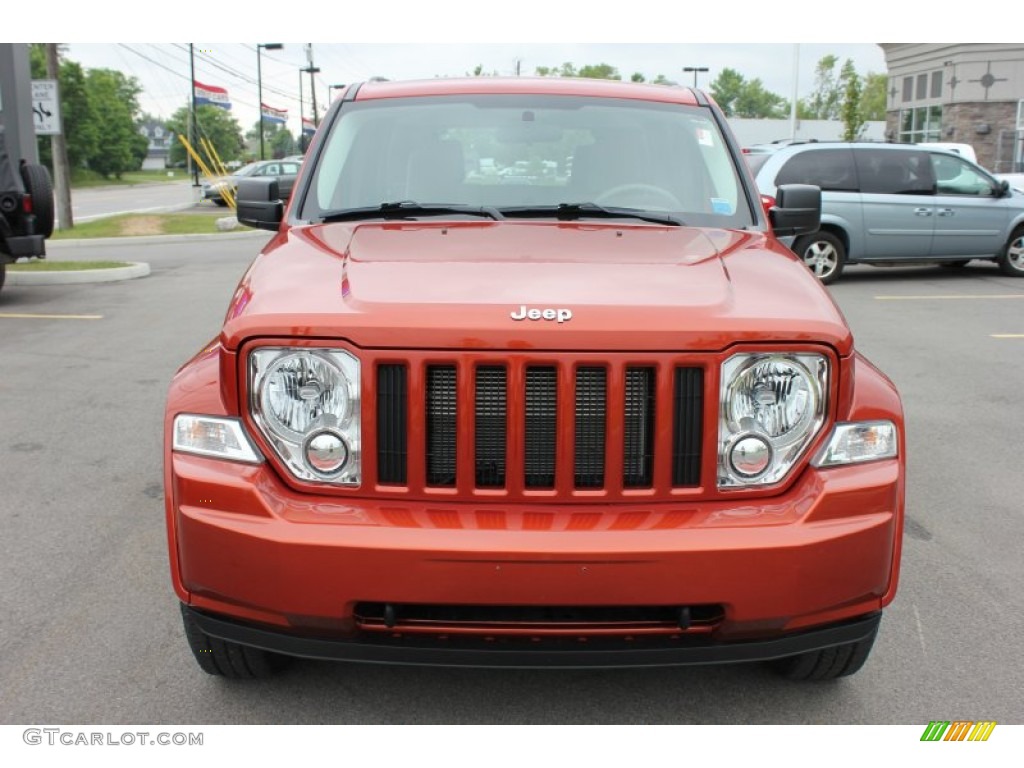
(45, 108)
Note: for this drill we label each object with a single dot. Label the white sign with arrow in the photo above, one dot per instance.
(45, 107)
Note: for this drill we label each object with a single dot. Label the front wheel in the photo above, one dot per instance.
(1011, 260)
(827, 663)
(823, 253)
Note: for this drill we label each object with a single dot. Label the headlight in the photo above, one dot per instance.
(772, 406)
(306, 403)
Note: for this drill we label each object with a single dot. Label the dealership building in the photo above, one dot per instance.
(968, 93)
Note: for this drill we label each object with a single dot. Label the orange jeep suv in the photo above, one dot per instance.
(589, 412)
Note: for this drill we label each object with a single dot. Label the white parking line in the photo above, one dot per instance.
(953, 297)
(1008, 335)
(26, 316)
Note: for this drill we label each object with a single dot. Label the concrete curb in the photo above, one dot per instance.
(136, 269)
(152, 239)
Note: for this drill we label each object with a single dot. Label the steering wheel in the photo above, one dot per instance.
(636, 192)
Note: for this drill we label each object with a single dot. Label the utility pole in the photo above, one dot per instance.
(312, 85)
(193, 139)
(61, 173)
(302, 116)
(259, 82)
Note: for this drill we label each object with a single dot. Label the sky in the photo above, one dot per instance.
(163, 68)
(406, 40)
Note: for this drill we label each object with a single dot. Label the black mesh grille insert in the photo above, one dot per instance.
(392, 424)
(638, 444)
(441, 425)
(541, 425)
(591, 418)
(491, 407)
(687, 426)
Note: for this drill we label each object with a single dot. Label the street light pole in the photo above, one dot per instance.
(259, 82)
(695, 70)
(330, 88)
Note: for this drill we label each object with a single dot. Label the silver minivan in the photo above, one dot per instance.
(898, 203)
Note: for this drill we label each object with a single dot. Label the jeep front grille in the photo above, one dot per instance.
(557, 425)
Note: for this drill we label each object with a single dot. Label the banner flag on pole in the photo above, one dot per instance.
(211, 94)
(277, 116)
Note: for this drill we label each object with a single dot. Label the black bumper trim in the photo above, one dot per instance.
(427, 651)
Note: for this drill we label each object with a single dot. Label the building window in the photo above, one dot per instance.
(937, 84)
(908, 89)
(921, 124)
(922, 87)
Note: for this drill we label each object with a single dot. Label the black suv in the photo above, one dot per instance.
(26, 209)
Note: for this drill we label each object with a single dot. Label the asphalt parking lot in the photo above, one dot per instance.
(90, 627)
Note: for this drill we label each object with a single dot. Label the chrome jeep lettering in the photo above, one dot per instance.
(559, 315)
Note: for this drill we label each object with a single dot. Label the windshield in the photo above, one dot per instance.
(517, 153)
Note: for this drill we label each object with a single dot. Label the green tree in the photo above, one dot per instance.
(637, 77)
(755, 101)
(282, 143)
(599, 72)
(827, 96)
(739, 98)
(850, 110)
(873, 97)
(115, 99)
(277, 140)
(726, 89)
(218, 126)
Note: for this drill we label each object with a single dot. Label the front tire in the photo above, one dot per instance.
(227, 659)
(823, 253)
(827, 663)
(1011, 260)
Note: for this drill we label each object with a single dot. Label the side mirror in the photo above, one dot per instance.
(1004, 188)
(259, 203)
(797, 210)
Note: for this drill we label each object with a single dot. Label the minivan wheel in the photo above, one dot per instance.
(1011, 260)
(827, 663)
(823, 253)
(227, 659)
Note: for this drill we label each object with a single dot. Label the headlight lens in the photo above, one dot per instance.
(772, 405)
(306, 403)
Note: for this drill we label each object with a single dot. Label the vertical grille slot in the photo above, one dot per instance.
(491, 429)
(687, 426)
(441, 425)
(392, 424)
(591, 422)
(541, 427)
(638, 439)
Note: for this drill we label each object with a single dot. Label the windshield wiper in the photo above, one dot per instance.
(408, 209)
(576, 211)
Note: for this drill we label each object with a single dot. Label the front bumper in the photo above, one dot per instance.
(509, 652)
(246, 548)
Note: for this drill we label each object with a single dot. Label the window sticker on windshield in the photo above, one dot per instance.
(719, 205)
(705, 138)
